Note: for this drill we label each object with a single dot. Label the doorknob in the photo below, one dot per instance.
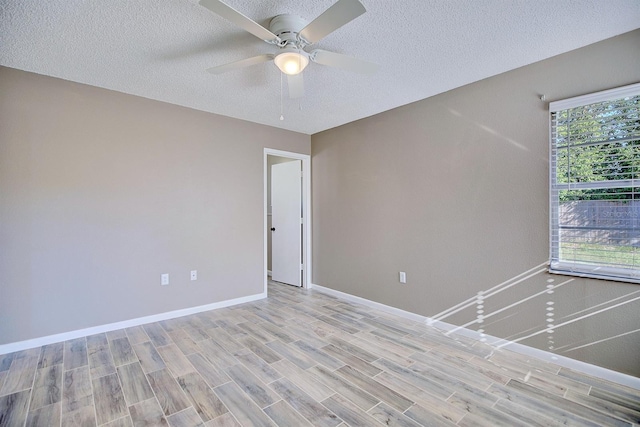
(273, 229)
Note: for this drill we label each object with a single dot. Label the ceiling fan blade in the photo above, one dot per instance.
(240, 64)
(341, 13)
(296, 86)
(338, 60)
(232, 15)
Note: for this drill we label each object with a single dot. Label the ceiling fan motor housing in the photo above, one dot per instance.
(287, 27)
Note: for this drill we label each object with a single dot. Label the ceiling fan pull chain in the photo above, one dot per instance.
(300, 64)
(281, 108)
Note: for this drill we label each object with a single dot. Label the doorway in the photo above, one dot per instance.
(303, 262)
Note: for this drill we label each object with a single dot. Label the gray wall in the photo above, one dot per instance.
(101, 192)
(454, 191)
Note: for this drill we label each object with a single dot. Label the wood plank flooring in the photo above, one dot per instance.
(297, 358)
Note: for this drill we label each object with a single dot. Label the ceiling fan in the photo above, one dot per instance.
(292, 35)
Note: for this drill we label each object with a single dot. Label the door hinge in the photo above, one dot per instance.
(301, 267)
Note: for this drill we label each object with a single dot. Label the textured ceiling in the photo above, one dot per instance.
(160, 49)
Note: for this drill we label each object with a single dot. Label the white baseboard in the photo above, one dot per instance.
(576, 365)
(50, 339)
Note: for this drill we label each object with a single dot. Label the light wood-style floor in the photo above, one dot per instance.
(298, 358)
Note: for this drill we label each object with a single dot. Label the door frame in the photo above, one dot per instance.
(306, 213)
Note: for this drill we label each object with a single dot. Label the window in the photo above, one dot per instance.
(595, 185)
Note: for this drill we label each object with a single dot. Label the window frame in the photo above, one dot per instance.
(573, 267)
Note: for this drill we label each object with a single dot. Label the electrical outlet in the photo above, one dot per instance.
(403, 277)
(194, 274)
(164, 279)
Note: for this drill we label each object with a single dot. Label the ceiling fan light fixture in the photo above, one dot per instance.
(292, 62)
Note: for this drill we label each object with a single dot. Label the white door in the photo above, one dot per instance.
(286, 231)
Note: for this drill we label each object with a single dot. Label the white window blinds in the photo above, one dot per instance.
(595, 185)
